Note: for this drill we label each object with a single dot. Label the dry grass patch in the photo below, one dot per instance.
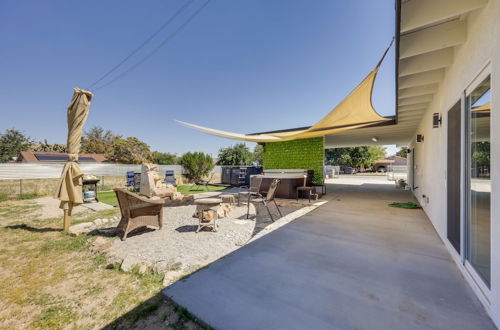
(50, 280)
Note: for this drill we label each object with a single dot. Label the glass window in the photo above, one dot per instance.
(479, 192)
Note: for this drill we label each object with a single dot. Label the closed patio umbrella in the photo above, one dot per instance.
(69, 190)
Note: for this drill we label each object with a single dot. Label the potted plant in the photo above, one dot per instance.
(401, 183)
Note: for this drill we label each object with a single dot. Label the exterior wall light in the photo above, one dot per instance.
(436, 120)
(420, 138)
(375, 139)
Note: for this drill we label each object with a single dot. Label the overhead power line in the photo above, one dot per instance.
(156, 49)
(164, 25)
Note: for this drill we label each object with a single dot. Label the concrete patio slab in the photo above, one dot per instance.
(353, 263)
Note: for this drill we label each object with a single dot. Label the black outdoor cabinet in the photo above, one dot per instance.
(225, 176)
(239, 175)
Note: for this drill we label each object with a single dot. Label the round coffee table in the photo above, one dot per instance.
(207, 204)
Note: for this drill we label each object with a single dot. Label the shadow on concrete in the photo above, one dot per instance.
(354, 262)
(261, 216)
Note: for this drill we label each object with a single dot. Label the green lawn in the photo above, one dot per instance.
(184, 189)
(4, 197)
(109, 197)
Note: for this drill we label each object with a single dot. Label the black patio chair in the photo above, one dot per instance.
(170, 178)
(203, 183)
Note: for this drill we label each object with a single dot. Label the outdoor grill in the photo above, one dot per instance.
(133, 180)
(89, 188)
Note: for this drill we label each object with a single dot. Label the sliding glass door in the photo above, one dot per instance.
(478, 170)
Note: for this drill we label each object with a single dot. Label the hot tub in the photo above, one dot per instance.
(289, 181)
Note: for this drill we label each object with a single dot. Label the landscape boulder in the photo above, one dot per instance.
(129, 262)
(100, 244)
(81, 228)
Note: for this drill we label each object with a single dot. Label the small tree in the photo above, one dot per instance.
(364, 156)
(196, 165)
(374, 153)
(480, 153)
(99, 141)
(12, 142)
(338, 156)
(164, 158)
(129, 151)
(403, 152)
(48, 147)
(235, 155)
(258, 151)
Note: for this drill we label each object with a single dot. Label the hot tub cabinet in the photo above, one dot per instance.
(238, 175)
(289, 181)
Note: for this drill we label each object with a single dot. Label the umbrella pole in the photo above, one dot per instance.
(67, 217)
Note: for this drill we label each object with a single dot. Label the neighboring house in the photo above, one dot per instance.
(57, 157)
(383, 165)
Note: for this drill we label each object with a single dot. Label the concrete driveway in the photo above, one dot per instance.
(353, 263)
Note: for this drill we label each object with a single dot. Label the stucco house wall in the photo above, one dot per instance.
(481, 51)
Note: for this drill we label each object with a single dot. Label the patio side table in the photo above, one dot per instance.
(323, 187)
(228, 198)
(207, 204)
(310, 190)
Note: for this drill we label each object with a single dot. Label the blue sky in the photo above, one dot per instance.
(244, 66)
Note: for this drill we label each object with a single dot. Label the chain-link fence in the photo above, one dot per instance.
(42, 178)
(395, 172)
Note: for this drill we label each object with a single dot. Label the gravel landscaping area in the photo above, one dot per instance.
(91, 279)
(177, 249)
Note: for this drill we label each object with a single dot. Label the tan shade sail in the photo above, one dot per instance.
(355, 111)
(69, 190)
(234, 136)
(482, 108)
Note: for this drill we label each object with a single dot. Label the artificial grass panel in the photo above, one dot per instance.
(405, 205)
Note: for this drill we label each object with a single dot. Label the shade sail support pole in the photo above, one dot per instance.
(385, 53)
(67, 217)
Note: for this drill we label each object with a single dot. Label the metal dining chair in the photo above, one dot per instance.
(267, 199)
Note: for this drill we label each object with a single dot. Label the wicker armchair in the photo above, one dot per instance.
(137, 211)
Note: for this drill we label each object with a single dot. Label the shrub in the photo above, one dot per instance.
(129, 151)
(196, 165)
(235, 155)
(164, 158)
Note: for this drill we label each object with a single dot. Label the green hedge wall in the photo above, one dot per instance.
(306, 154)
